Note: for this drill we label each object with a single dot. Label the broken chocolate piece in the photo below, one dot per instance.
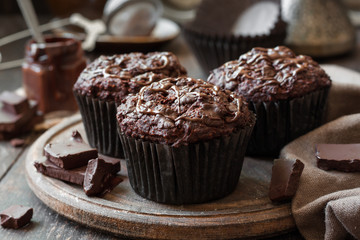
(27, 127)
(99, 177)
(75, 175)
(70, 154)
(16, 216)
(341, 157)
(13, 103)
(17, 142)
(285, 179)
(10, 122)
(48, 168)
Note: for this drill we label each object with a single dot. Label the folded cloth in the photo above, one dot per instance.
(342, 216)
(327, 203)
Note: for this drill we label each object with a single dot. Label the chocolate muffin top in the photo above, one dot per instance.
(113, 77)
(177, 111)
(270, 74)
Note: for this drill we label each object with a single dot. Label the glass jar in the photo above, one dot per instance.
(50, 71)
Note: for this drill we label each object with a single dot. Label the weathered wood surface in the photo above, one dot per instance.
(45, 224)
(8, 156)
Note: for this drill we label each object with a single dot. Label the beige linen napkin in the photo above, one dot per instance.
(327, 204)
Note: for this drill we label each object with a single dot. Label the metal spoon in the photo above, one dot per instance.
(28, 12)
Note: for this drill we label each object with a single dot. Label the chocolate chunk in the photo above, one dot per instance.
(285, 179)
(48, 168)
(99, 177)
(341, 157)
(17, 142)
(10, 122)
(16, 216)
(14, 103)
(75, 175)
(28, 126)
(70, 154)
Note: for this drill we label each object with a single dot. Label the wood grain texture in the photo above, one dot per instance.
(247, 212)
(45, 224)
(8, 155)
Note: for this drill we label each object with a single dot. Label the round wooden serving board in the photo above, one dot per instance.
(245, 213)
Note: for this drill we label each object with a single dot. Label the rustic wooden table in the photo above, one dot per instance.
(47, 224)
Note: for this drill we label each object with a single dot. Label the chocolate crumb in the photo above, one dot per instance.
(77, 136)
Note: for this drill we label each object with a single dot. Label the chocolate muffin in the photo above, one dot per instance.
(287, 92)
(184, 140)
(106, 81)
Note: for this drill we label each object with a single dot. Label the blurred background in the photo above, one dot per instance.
(203, 33)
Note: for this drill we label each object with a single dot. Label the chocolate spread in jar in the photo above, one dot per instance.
(50, 71)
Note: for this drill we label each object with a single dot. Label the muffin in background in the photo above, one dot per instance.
(220, 36)
(106, 81)
(184, 140)
(287, 93)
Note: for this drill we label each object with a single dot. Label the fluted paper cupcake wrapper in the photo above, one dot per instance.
(99, 118)
(188, 174)
(214, 49)
(280, 122)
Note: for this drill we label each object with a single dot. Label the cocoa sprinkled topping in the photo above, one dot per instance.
(113, 77)
(267, 74)
(181, 110)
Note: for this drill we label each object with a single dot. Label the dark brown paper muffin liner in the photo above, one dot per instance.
(195, 173)
(213, 49)
(280, 122)
(99, 118)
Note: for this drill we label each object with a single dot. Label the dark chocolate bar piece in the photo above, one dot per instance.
(341, 157)
(75, 175)
(48, 168)
(71, 153)
(10, 122)
(14, 103)
(16, 216)
(27, 127)
(99, 177)
(285, 179)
